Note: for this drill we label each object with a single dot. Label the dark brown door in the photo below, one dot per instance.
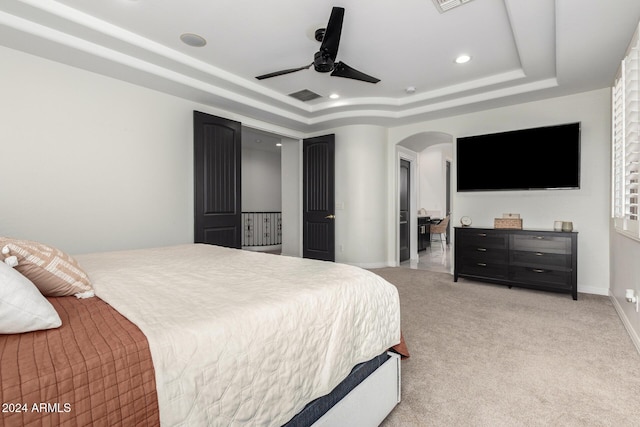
(404, 210)
(217, 160)
(318, 199)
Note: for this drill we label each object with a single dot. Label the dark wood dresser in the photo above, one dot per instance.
(536, 259)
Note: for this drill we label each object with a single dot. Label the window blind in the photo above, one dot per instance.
(625, 131)
(632, 121)
(617, 130)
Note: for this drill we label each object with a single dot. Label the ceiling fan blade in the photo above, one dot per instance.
(282, 72)
(343, 70)
(331, 39)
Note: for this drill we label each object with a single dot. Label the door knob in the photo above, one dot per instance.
(330, 216)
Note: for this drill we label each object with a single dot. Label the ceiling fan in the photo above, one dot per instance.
(324, 59)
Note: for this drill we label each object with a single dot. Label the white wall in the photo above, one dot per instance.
(625, 274)
(91, 163)
(261, 181)
(361, 195)
(291, 197)
(432, 177)
(588, 207)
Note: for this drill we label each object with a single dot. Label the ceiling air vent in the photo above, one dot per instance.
(444, 5)
(305, 95)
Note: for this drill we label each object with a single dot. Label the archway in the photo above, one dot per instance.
(421, 149)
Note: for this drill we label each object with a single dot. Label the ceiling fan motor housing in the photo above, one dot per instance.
(319, 34)
(322, 62)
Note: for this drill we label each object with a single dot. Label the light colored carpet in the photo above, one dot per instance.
(487, 355)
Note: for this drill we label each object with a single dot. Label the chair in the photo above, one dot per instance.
(441, 229)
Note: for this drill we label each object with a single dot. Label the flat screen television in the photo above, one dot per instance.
(528, 159)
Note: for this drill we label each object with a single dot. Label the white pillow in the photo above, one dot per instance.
(22, 306)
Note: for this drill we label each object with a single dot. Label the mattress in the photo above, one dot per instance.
(245, 338)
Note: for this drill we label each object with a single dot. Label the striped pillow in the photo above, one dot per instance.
(54, 272)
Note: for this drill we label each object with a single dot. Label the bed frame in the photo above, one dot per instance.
(363, 399)
(82, 369)
(371, 401)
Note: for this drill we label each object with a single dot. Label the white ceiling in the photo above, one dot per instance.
(521, 50)
(253, 139)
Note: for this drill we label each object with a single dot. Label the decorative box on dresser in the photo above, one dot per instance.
(536, 259)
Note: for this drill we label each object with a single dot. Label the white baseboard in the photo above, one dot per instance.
(593, 290)
(263, 248)
(368, 265)
(625, 321)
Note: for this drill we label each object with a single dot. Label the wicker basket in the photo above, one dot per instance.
(515, 223)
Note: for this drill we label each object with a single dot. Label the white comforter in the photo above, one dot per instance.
(243, 338)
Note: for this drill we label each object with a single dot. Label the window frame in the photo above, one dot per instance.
(625, 143)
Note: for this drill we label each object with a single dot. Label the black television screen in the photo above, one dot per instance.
(527, 159)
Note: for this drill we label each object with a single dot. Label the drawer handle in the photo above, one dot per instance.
(539, 237)
(481, 249)
(539, 254)
(537, 270)
(482, 264)
(482, 234)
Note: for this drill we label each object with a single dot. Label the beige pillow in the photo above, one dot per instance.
(22, 306)
(54, 272)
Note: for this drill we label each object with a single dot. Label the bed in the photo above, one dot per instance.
(204, 335)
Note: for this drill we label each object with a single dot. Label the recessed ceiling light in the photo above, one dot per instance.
(193, 40)
(462, 59)
(334, 96)
(279, 144)
(410, 89)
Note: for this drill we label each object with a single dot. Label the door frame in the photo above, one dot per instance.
(412, 158)
(405, 251)
(447, 185)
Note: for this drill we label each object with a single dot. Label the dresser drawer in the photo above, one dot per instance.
(541, 243)
(477, 268)
(540, 259)
(482, 254)
(483, 239)
(557, 279)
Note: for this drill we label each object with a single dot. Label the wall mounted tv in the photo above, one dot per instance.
(528, 159)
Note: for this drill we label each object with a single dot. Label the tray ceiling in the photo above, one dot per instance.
(520, 51)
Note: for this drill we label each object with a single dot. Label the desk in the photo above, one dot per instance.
(424, 235)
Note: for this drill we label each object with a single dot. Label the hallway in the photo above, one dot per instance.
(434, 258)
